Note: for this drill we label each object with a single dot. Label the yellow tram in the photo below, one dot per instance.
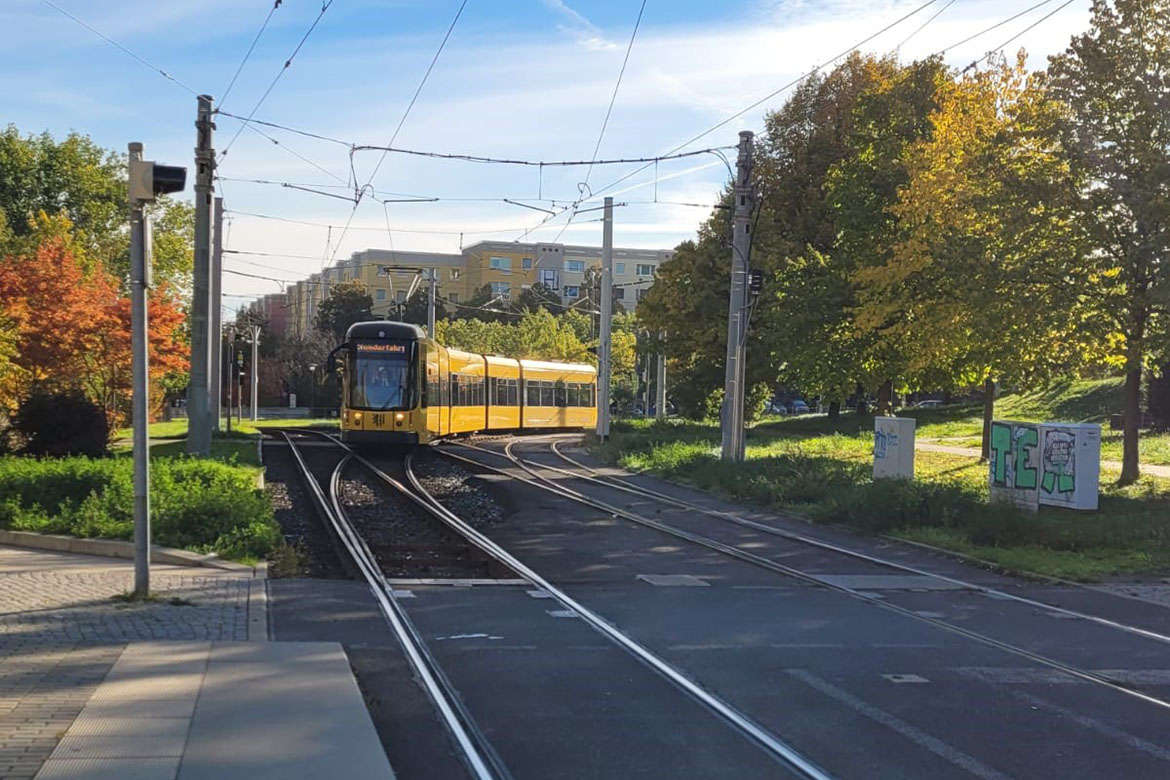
(400, 387)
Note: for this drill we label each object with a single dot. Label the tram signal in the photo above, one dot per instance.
(755, 281)
(148, 179)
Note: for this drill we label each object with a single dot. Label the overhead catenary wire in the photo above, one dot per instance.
(165, 74)
(279, 74)
(924, 25)
(405, 114)
(1021, 33)
(228, 90)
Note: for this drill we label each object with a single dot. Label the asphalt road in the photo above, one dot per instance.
(861, 690)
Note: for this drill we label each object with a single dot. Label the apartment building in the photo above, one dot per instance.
(507, 268)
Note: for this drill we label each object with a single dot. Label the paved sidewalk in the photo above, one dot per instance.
(973, 452)
(223, 710)
(61, 630)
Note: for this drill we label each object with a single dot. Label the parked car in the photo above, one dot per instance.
(931, 404)
(775, 407)
(799, 407)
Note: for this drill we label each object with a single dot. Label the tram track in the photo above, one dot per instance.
(478, 754)
(530, 472)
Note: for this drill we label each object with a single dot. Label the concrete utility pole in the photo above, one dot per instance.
(139, 349)
(431, 306)
(255, 330)
(198, 401)
(660, 380)
(733, 418)
(215, 328)
(603, 344)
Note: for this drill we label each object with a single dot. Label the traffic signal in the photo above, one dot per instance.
(755, 281)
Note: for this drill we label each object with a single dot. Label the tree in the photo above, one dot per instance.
(988, 279)
(72, 328)
(346, 304)
(1115, 81)
(9, 369)
(540, 296)
(79, 182)
(417, 308)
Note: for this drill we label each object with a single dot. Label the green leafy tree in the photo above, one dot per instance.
(989, 277)
(417, 307)
(346, 304)
(1115, 80)
(539, 296)
(46, 184)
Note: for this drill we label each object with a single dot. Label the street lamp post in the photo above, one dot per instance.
(312, 385)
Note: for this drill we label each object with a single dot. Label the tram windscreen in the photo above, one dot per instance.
(382, 377)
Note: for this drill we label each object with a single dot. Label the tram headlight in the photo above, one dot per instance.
(357, 416)
(399, 416)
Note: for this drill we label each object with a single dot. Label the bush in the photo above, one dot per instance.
(62, 423)
(201, 505)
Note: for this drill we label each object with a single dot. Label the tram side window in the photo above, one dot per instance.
(532, 390)
(560, 395)
(547, 394)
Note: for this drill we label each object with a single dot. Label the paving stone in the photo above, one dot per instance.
(61, 632)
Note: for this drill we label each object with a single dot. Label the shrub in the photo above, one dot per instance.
(62, 423)
(200, 505)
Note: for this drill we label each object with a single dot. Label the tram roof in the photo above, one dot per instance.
(384, 329)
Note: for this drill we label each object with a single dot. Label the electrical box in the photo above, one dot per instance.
(893, 448)
(1070, 465)
(1056, 464)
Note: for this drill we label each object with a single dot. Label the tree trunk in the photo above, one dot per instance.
(885, 397)
(862, 406)
(834, 411)
(988, 416)
(1130, 468)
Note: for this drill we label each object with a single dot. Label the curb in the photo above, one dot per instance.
(113, 548)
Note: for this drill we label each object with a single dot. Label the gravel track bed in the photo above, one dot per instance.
(298, 520)
(406, 541)
(456, 489)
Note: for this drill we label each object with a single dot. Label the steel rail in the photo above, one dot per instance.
(776, 747)
(546, 484)
(779, 749)
(416, 652)
(618, 483)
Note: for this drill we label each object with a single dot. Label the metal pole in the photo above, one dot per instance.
(646, 387)
(198, 403)
(139, 348)
(603, 343)
(660, 380)
(431, 306)
(255, 373)
(215, 328)
(733, 418)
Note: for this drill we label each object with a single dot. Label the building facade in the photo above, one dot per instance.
(505, 268)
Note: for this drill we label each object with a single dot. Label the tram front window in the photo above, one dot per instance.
(382, 376)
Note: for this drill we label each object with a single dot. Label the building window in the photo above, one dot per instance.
(453, 297)
(575, 266)
(400, 296)
(619, 268)
(550, 278)
(384, 271)
(619, 293)
(527, 263)
(572, 291)
(380, 295)
(501, 263)
(645, 269)
(503, 289)
(642, 292)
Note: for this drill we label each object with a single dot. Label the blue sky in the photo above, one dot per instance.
(521, 79)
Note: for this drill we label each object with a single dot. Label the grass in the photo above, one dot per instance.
(826, 476)
(200, 505)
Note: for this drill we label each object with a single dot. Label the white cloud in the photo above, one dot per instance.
(586, 33)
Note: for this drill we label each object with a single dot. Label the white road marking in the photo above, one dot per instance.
(914, 734)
